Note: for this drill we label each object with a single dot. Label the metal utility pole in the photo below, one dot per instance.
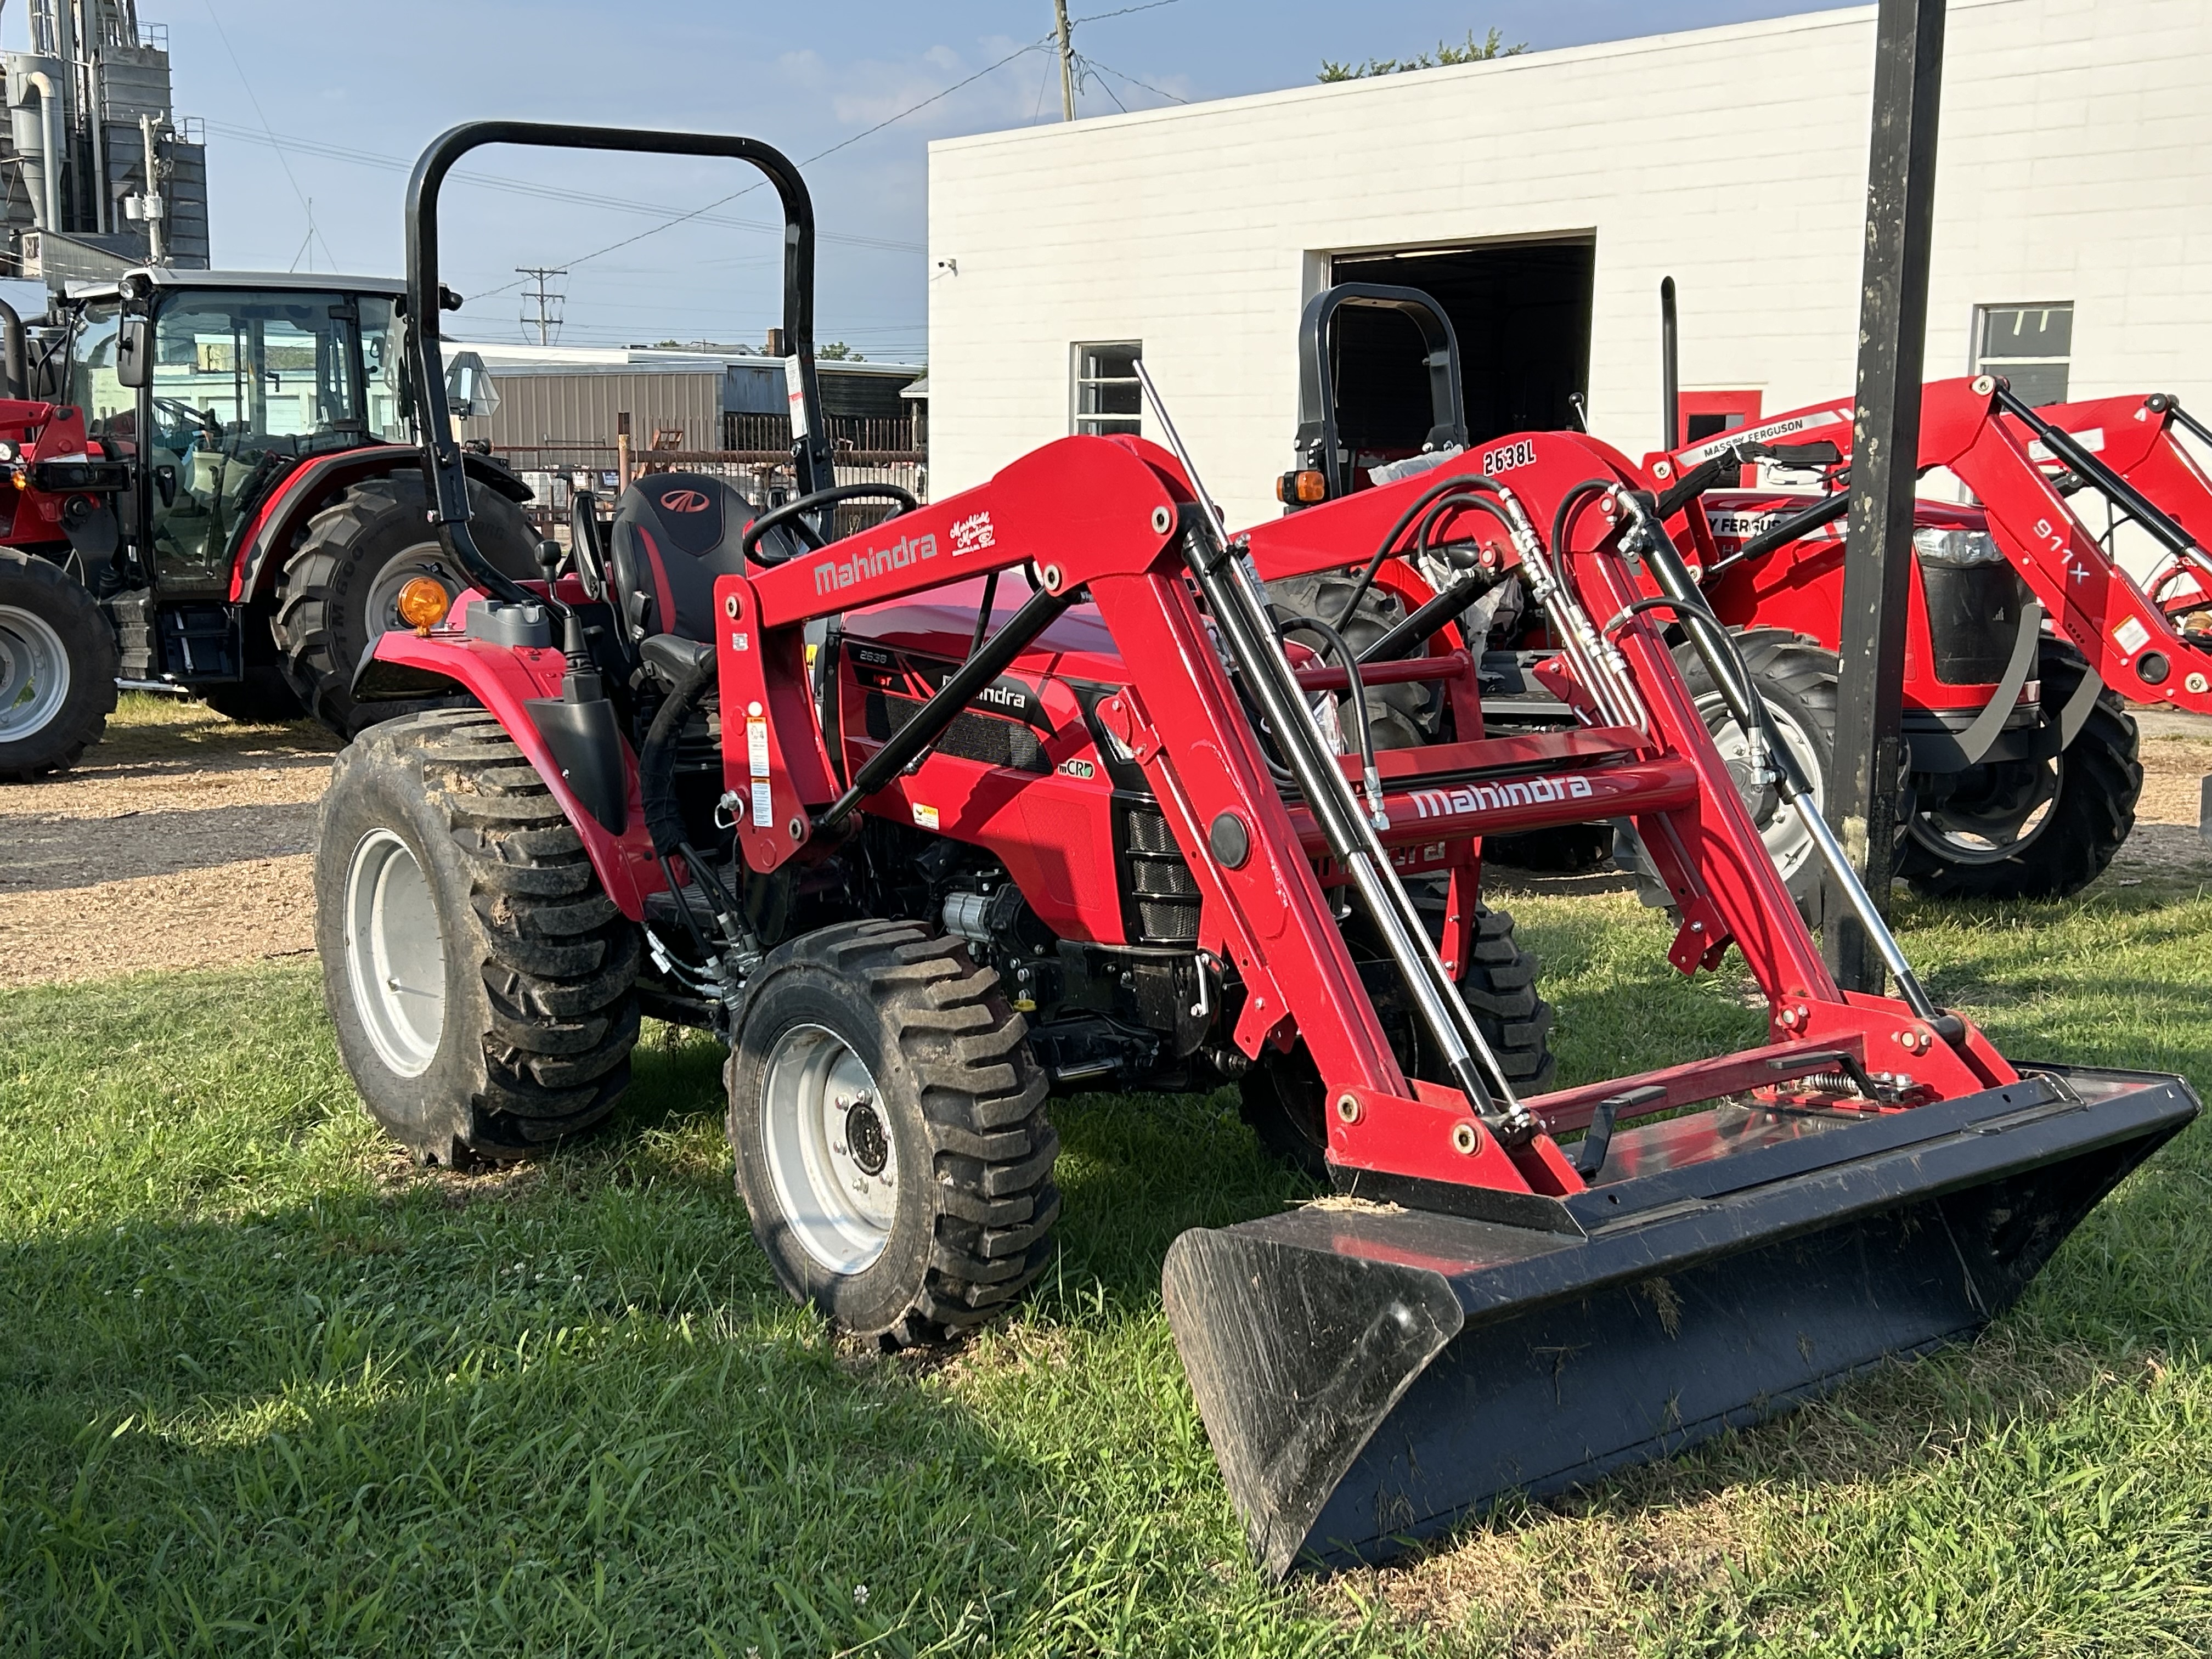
(1868, 762)
(1067, 62)
(548, 318)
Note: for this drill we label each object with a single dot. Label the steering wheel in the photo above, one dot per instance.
(587, 554)
(211, 429)
(749, 544)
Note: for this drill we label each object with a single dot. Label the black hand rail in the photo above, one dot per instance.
(1317, 435)
(442, 467)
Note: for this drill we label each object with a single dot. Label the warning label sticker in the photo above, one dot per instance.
(757, 746)
(763, 808)
(2132, 636)
(925, 815)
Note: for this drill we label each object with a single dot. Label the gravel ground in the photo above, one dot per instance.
(186, 841)
(182, 841)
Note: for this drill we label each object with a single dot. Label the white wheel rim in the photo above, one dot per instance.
(1787, 843)
(34, 673)
(395, 954)
(831, 1156)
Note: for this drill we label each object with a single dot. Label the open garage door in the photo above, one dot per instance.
(1522, 311)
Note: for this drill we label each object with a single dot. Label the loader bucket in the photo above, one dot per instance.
(1369, 1374)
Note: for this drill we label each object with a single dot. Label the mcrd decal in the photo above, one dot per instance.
(1076, 768)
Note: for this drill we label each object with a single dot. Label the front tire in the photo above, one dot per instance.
(1798, 680)
(1282, 1096)
(338, 590)
(888, 1123)
(481, 982)
(2034, 829)
(57, 665)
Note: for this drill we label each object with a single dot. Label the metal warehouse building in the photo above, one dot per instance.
(1541, 198)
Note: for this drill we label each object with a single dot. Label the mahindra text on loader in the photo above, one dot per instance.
(1058, 805)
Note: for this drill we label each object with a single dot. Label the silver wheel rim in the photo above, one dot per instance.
(1787, 843)
(395, 954)
(831, 1156)
(426, 559)
(1958, 836)
(34, 673)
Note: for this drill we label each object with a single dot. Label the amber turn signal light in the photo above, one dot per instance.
(1301, 489)
(423, 602)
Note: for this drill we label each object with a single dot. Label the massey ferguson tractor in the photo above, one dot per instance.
(214, 488)
(1063, 800)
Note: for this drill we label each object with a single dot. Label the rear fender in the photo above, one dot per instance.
(504, 679)
(312, 485)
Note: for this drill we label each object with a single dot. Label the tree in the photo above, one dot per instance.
(1472, 51)
(838, 352)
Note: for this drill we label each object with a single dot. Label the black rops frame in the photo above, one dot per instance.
(442, 467)
(1317, 436)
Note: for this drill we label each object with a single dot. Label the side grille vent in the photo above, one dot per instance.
(1164, 894)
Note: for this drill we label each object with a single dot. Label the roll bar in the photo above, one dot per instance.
(1317, 439)
(442, 452)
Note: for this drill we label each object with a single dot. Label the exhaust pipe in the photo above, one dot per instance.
(1670, 366)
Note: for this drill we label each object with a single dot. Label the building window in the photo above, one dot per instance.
(2029, 345)
(1108, 399)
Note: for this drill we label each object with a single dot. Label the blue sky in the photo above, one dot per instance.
(362, 89)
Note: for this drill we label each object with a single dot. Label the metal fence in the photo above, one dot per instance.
(555, 471)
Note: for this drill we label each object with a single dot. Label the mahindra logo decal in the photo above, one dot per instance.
(684, 501)
(835, 574)
(1490, 797)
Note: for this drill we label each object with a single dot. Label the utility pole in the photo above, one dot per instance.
(548, 318)
(1066, 62)
(1868, 760)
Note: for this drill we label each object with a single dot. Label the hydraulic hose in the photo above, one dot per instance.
(1419, 505)
(1371, 776)
(1732, 677)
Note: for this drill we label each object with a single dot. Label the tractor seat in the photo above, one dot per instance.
(674, 534)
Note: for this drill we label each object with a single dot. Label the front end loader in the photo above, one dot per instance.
(1061, 801)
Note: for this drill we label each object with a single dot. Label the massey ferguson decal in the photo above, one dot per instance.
(972, 534)
(1789, 426)
(833, 574)
(1490, 797)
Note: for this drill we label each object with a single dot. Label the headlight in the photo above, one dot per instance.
(1956, 547)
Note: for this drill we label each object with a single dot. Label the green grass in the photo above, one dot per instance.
(264, 1390)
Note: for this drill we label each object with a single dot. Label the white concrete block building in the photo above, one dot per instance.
(1543, 196)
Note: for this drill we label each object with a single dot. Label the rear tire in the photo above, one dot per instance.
(57, 665)
(1283, 1099)
(2096, 781)
(481, 982)
(1398, 714)
(888, 1123)
(336, 591)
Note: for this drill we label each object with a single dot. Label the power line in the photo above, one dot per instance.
(317, 148)
(911, 109)
(1118, 75)
(255, 101)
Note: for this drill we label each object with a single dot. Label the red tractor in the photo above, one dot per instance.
(1061, 803)
(2022, 773)
(222, 462)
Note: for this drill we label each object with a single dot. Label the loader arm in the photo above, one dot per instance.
(1974, 428)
